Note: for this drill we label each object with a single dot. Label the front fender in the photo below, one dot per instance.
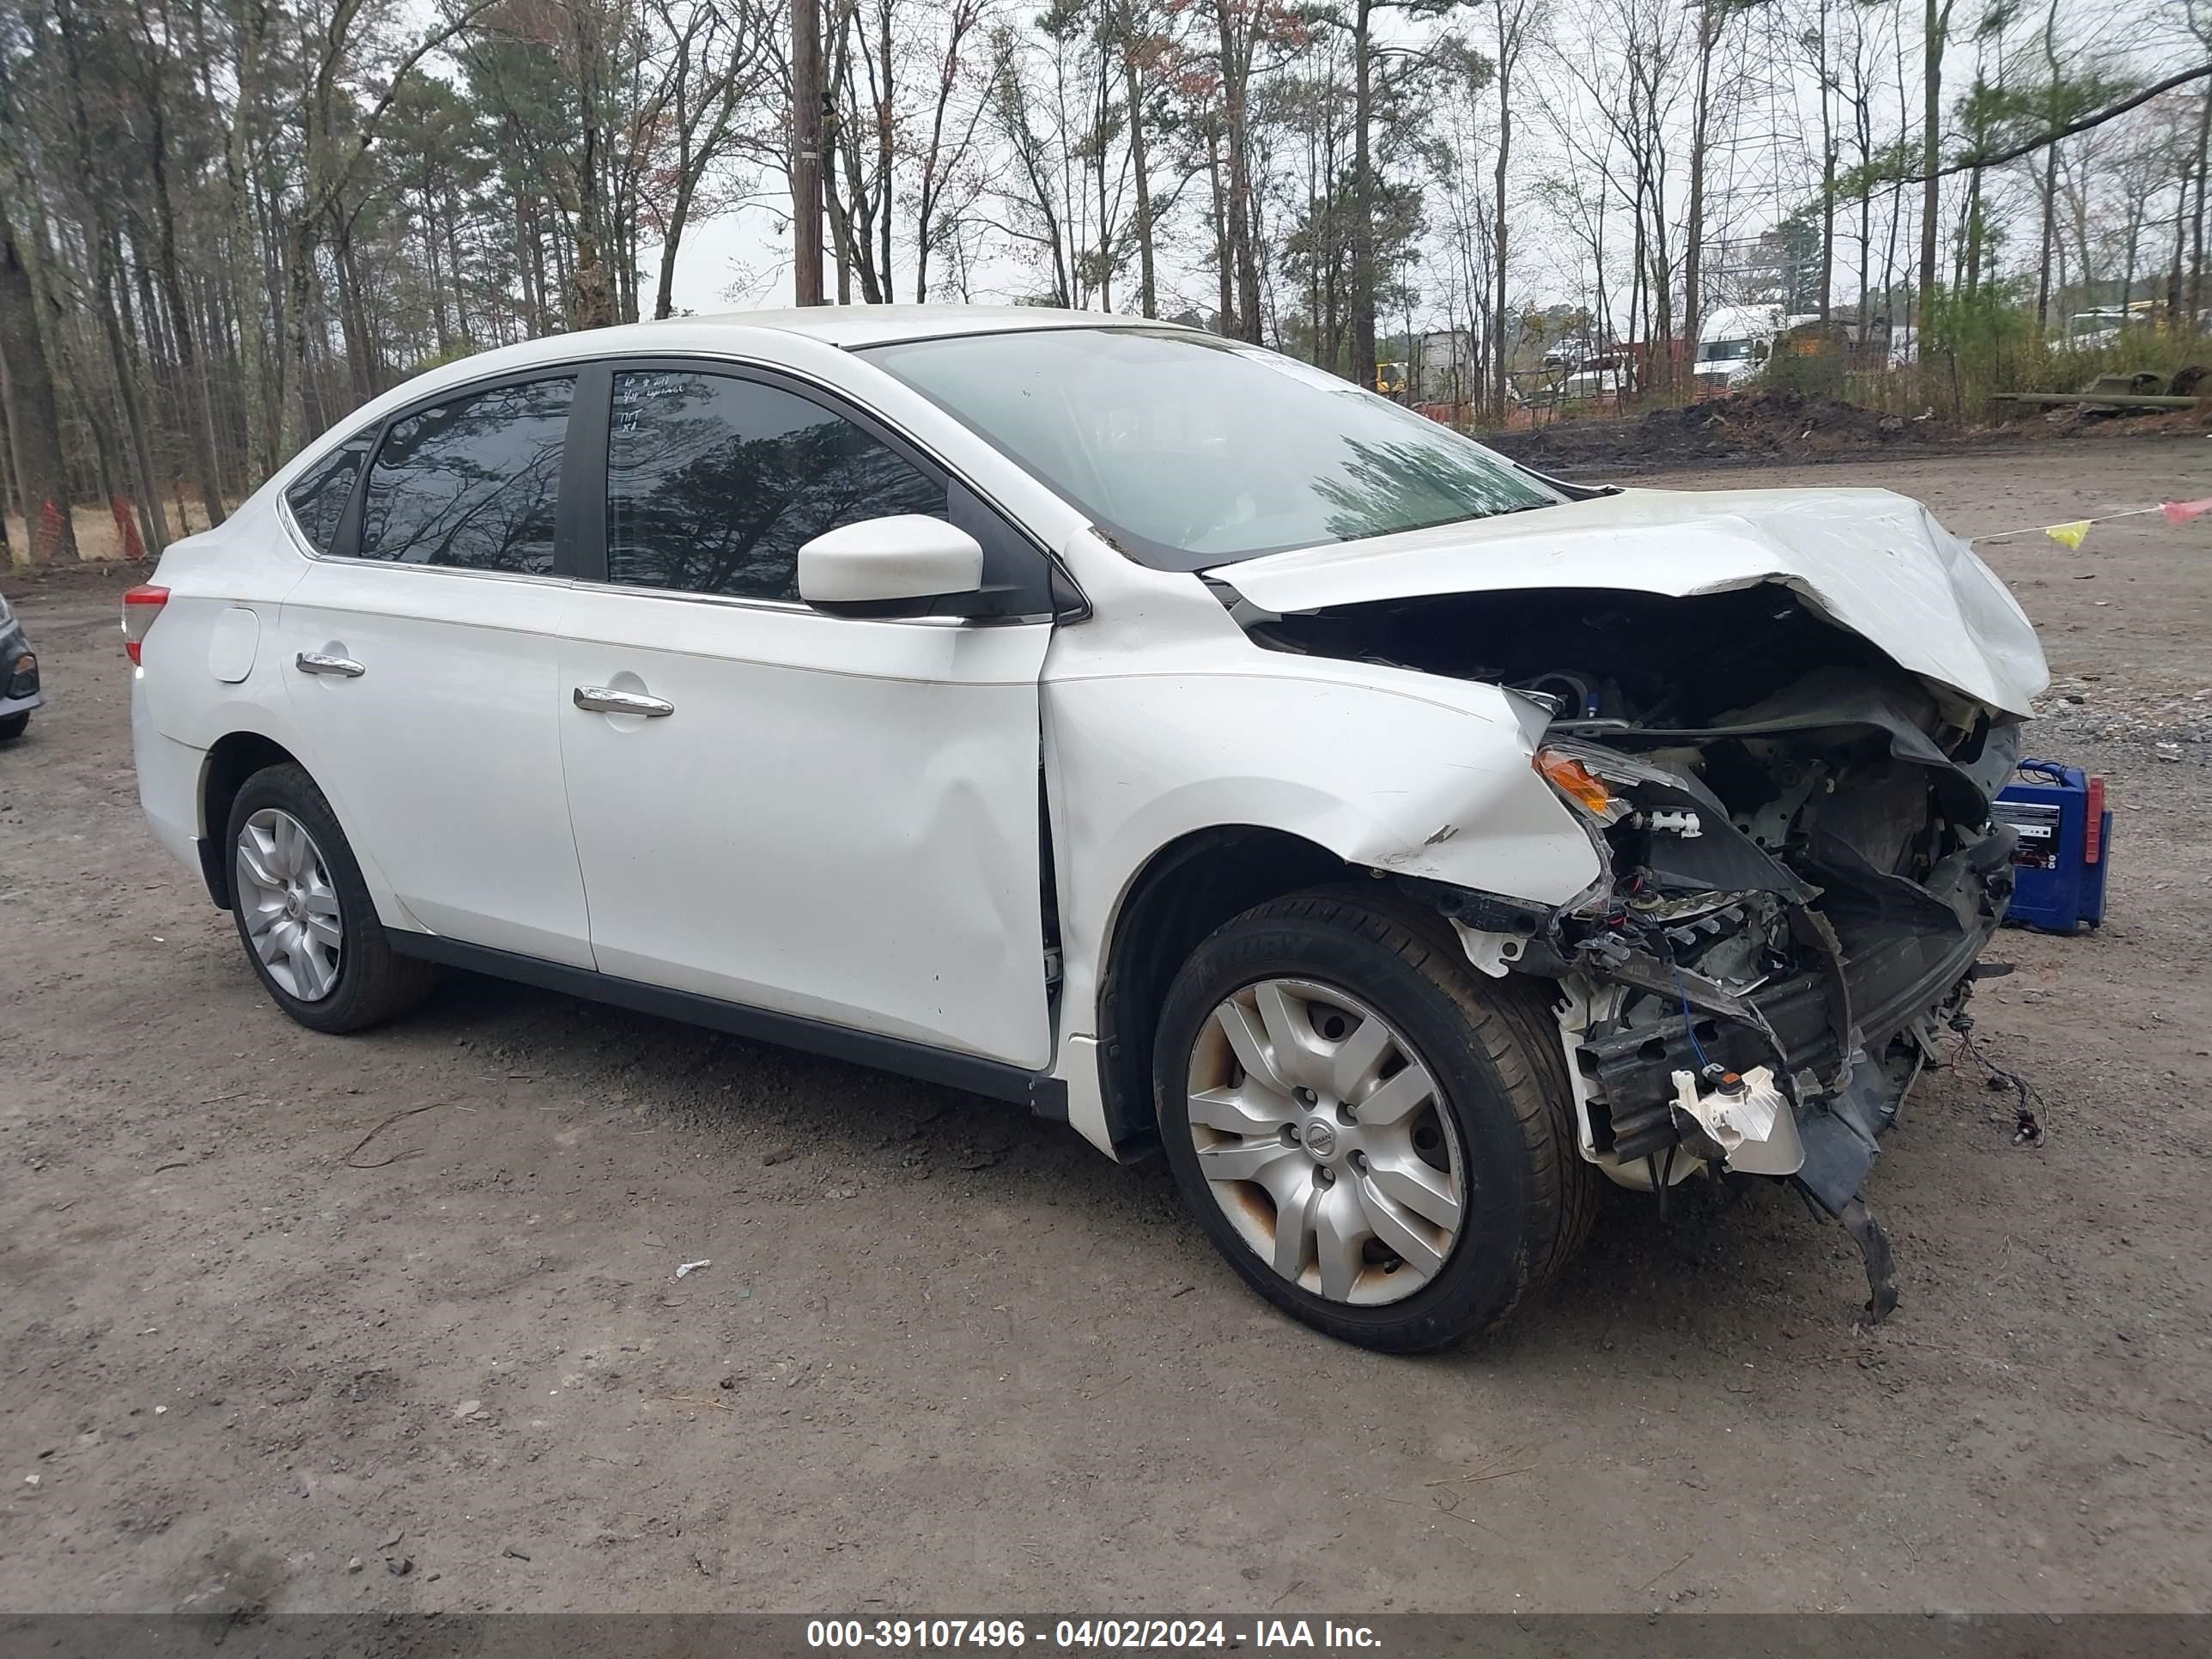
(1386, 768)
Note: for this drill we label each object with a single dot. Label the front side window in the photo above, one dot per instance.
(318, 497)
(472, 482)
(714, 483)
(1195, 452)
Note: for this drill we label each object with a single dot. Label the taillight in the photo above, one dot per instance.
(142, 606)
(2093, 842)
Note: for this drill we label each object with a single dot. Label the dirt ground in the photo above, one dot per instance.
(1783, 427)
(264, 1343)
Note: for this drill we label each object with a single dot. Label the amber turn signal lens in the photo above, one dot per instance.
(1578, 784)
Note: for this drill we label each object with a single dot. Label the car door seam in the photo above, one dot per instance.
(561, 641)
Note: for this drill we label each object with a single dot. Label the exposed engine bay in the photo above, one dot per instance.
(1799, 867)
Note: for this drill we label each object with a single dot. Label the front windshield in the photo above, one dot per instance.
(1192, 451)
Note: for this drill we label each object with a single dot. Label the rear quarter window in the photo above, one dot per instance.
(318, 497)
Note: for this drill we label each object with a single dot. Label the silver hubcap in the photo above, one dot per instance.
(1323, 1138)
(290, 909)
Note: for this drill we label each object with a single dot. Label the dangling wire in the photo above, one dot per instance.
(2028, 1127)
(1689, 1021)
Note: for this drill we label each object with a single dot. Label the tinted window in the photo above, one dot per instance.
(471, 483)
(318, 496)
(715, 483)
(1196, 452)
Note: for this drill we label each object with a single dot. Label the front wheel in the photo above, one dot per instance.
(14, 725)
(1379, 1143)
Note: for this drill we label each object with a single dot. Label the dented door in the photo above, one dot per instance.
(826, 816)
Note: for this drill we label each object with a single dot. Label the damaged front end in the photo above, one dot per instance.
(1799, 869)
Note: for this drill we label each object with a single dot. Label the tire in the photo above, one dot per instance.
(1498, 1120)
(344, 984)
(14, 725)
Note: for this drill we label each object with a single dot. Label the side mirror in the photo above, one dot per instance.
(892, 566)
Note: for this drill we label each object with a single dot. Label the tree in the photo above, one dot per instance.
(1518, 22)
(27, 386)
(1035, 189)
(1140, 45)
(1816, 42)
(1357, 18)
(1935, 34)
(1241, 27)
(337, 128)
(151, 64)
(712, 64)
(947, 187)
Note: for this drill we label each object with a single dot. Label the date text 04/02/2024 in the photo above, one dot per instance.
(1086, 1635)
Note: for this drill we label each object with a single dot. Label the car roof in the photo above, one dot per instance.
(846, 327)
(865, 325)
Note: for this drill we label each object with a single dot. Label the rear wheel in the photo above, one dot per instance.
(1379, 1143)
(304, 914)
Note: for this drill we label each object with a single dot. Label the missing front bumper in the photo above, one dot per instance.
(1880, 978)
(1833, 1051)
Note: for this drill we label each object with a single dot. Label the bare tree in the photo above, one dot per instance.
(1519, 22)
(1934, 36)
(26, 386)
(949, 184)
(715, 64)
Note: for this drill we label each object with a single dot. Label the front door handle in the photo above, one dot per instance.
(605, 699)
(314, 662)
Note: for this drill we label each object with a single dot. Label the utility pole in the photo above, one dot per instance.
(806, 150)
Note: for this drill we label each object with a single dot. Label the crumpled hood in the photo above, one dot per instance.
(1869, 560)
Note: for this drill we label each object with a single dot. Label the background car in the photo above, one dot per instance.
(20, 692)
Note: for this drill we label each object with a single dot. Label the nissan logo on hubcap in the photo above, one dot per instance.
(1320, 1139)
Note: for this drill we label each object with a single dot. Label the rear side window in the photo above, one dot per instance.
(318, 497)
(715, 483)
(472, 482)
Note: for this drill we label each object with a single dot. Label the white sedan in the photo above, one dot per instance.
(1147, 727)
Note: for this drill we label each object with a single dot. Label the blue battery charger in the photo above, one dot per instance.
(2063, 848)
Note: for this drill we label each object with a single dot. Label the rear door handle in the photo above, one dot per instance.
(314, 662)
(605, 699)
